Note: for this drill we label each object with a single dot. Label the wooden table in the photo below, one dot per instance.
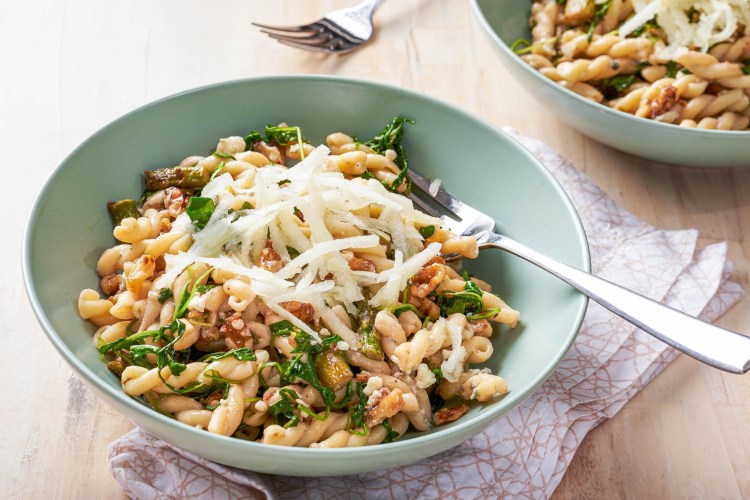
(69, 67)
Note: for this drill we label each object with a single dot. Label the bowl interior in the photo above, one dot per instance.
(70, 227)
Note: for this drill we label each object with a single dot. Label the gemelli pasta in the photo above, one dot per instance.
(684, 62)
(298, 306)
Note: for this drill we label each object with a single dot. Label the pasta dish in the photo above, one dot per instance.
(684, 62)
(307, 305)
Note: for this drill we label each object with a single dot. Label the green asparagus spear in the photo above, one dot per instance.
(181, 177)
(368, 337)
(333, 371)
(122, 209)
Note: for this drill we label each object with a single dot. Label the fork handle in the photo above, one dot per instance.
(703, 341)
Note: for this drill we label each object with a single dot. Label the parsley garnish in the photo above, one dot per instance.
(164, 295)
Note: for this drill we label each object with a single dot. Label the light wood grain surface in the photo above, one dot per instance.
(70, 66)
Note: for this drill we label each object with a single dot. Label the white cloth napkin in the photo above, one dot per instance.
(526, 452)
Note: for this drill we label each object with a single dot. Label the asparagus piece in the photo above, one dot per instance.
(333, 371)
(368, 337)
(181, 177)
(122, 209)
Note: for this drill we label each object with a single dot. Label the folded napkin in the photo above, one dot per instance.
(526, 452)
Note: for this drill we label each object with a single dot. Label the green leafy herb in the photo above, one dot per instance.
(283, 136)
(520, 46)
(390, 434)
(671, 69)
(241, 354)
(283, 410)
(185, 296)
(390, 138)
(619, 83)
(204, 288)
(293, 253)
(399, 309)
(252, 138)
(199, 210)
(468, 301)
(368, 175)
(223, 155)
(427, 231)
(164, 295)
(598, 16)
(357, 417)
(746, 68)
(283, 182)
(487, 313)
(438, 373)
(216, 171)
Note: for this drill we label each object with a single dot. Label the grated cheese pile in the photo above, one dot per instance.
(320, 274)
(718, 21)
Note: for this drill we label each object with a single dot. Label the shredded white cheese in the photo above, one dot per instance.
(717, 22)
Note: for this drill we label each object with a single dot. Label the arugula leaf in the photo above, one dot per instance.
(164, 295)
(399, 309)
(619, 83)
(467, 301)
(251, 138)
(282, 411)
(438, 373)
(521, 46)
(746, 68)
(427, 231)
(390, 434)
(204, 288)
(487, 313)
(283, 136)
(671, 69)
(186, 297)
(598, 16)
(293, 253)
(368, 175)
(357, 417)
(199, 210)
(216, 171)
(224, 155)
(241, 354)
(145, 195)
(390, 138)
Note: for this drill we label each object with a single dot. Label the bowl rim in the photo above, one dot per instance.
(637, 120)
(480, 419)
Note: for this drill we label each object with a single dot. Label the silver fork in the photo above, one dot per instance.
(705, 342)
(339, 31)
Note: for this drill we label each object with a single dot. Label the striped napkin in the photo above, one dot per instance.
(526, 452)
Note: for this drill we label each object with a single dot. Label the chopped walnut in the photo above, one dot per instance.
(358, 264)
(214, 399)
(363, 376)
(446, 415)
(481, 327)
(664, 102)
(175, 201)
(302, 310)
(271, 152)
(269, 259)
(426, 307)
(235, 332)
(382, 404)
(110, 284)
(428, 278)
(142, 270)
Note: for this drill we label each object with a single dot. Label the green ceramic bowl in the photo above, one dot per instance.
(69, 227)
(505, 21)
